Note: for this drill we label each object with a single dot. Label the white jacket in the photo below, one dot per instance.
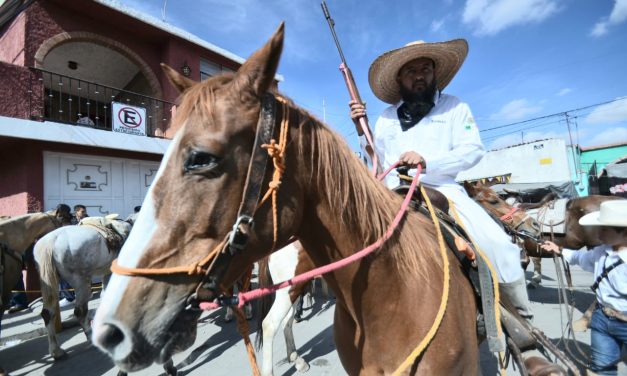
(447, 138)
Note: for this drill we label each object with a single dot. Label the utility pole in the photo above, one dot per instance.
(522, 137)
(572, 148)
(324, 111)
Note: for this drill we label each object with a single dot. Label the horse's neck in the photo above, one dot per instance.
(34, 226)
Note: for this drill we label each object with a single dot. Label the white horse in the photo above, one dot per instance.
(282, 265)
(75, 254)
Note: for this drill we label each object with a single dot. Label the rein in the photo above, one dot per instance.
(244, 297)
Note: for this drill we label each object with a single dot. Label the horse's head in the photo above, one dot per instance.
(515, 220)
(63, 214)
(194, 231)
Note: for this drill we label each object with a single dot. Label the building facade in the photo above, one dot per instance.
(85, 113)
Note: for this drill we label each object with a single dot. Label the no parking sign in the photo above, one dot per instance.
(128, 119)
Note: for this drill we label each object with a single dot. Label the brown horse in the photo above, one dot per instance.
(575, 236)
(16, 235)
(326, 199)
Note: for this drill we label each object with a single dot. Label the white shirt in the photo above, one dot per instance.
(612, 291)
(447, 138)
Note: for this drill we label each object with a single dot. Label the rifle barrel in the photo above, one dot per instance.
(327, 15)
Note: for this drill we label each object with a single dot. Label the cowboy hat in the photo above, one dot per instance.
(611, 213)
(448, 58)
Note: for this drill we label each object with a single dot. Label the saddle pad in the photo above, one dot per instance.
(112, 238)
(552, 214)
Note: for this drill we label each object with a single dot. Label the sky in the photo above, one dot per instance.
(535, 68)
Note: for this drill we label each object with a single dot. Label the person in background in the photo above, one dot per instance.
(80, 212)
(608, 262)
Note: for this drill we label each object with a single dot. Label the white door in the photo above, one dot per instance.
(104, 185)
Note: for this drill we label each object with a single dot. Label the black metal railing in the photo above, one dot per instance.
(64, 99)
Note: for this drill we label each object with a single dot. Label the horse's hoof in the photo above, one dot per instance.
(537, 278)
(59, 355)
(301, 365)
(532, 285)
(298, 318)
(171, 371)
(122, 373)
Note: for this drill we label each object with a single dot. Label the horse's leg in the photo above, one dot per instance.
(281, 308)
(292, 355)
(228, 316)
(82, 288)
(105, 282)
(537, 270)
(50, 295)
(49, 312)
(298, 314)
(169, 368)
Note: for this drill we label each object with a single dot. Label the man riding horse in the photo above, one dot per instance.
(424, 126)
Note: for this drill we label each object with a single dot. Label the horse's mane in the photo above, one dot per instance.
(358, 201)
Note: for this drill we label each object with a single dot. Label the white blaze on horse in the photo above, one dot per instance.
(76, 254)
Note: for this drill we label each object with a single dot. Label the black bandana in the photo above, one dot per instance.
(410, 113)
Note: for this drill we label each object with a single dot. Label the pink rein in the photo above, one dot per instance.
(244, 297)
(509, 215)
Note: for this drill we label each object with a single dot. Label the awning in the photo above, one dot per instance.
(534, 192)
(79, 135)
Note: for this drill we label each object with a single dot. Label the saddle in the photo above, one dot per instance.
(103, 226)
(521, 335)
(551, 216)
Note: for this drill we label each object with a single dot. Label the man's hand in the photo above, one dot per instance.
(551, 247)
(412, 160)
(358, 110)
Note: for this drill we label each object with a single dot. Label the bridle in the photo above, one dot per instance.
(213, 266)
(511, 226)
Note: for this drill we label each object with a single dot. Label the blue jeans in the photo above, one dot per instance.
(63, 287)
(608, 336)
(19, 298)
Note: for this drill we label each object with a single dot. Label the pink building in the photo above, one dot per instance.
(85, 110)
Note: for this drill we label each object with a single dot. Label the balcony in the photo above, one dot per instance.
(64, 99)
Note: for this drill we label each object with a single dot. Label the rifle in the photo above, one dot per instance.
(364, 128)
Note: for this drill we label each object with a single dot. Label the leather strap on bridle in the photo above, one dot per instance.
(215, 263)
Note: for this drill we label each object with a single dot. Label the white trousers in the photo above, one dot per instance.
(495, 244)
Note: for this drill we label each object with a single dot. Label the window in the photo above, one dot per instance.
(209, 69)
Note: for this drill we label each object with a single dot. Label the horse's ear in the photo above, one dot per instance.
(180, 82)
(470, 189)
(259, 70)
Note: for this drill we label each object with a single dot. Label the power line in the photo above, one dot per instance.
(552, 115)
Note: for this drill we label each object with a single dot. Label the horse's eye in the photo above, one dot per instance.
(200, 162)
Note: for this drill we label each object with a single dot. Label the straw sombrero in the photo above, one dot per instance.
(611, 213)
(448, 58)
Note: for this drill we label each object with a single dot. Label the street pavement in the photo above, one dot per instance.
(220, 351)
